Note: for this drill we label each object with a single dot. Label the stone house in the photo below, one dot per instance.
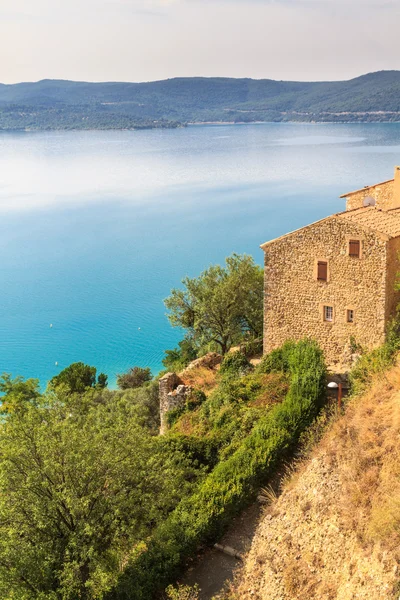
(334, 280)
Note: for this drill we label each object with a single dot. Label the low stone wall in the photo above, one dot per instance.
(209, 361)
(167, 384)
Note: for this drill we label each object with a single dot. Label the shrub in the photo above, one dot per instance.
(233, 482)
(277, 360)
(235, 363)
(183, 592)
(134, 378)
(377, 360)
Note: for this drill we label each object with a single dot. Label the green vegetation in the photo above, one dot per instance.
(94, 504)
(376, 361)
(78, 377)
(177, 359)
(134, 378)
(53, 104)
(222, 306)
(82, 482)
(234, 481)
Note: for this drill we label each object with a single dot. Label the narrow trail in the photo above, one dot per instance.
(212, 569)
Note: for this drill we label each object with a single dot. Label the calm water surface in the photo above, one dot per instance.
(97, 227)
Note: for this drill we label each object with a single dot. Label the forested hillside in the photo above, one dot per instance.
(57, 104)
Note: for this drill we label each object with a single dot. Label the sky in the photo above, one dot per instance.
(146, 40)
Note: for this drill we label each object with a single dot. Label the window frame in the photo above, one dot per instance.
(325, 307)
(348, 311)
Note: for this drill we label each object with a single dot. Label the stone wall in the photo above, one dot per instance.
(168, 401)
(209, 361)
(294, 299)
(382, 194)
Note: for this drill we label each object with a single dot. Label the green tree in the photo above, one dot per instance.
(222, 305)
(178, 358)
(18, 392)
(81, 483)
(134, 378)
(78, 377)
(102, 380)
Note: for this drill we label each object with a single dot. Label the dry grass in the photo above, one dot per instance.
(365, 446)
(200, 378)
(335, 531)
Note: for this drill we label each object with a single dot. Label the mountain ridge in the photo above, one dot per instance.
(66, 104)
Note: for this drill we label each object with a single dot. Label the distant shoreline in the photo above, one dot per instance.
(190, 124)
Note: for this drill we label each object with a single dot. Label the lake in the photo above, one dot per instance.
(96, 227)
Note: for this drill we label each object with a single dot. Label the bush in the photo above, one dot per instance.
(235, 363)
(234, 482)
(183, 592)
(134, 378)
(277, 360)
(377, 360)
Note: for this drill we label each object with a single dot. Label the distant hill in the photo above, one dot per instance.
(58, 104)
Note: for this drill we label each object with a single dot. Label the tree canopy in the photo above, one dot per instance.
(81, 483)
(222, 305)
(134, 378)
(78, 377)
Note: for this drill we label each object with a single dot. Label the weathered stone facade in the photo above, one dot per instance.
(355, 297)
(385, 195)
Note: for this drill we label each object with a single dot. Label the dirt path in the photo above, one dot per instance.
(212, 569)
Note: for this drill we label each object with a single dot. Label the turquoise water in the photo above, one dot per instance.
(97, 227)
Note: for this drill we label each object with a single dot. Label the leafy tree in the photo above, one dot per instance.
(134, 378)
(102, 380)
(78, 377)
(178, 358)
(81, 483)
(18, 392)
(221, 305)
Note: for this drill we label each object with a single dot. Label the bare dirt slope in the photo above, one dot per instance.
(334, 533)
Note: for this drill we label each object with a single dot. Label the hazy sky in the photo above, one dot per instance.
(141, 40)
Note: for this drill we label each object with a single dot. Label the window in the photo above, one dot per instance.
(322, 271)
(328, 313)
(350, 316)
(354, 248)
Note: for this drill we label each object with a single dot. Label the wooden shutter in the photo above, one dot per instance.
(354, 248)
(322, 273)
